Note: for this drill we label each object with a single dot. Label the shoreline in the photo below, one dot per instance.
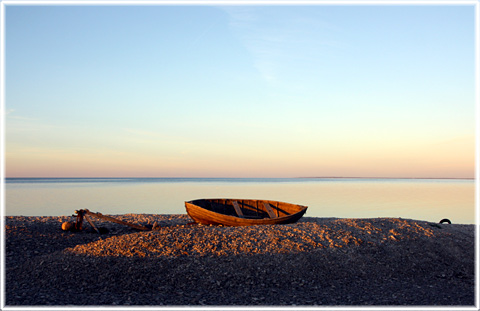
(314, 262)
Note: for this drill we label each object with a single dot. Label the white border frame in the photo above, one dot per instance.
(3, 3)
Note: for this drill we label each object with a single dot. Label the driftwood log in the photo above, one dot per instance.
(91, 223)
(108, 218)
(85, 213)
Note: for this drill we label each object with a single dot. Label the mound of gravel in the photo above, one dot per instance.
(317, 261)
(308, 235)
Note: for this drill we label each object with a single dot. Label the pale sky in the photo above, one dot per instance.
(240, 91)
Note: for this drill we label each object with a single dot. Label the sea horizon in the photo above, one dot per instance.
(221, 177)
(341, 197)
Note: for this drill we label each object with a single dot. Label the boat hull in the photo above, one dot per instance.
(254, 212)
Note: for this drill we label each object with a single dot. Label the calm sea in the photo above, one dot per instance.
(422, 199)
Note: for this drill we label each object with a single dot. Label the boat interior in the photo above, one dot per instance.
(254, 209)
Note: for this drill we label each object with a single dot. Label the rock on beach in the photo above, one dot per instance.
(314, 262)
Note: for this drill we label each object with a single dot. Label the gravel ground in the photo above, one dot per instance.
(315, 262)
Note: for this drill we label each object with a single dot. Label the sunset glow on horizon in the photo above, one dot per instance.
(240, 91)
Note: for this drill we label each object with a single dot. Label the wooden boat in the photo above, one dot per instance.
(238, 212)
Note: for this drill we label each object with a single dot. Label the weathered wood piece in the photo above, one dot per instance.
(269, 209)
(237, 209)
(108, 218)
(91, 223)
(79, 223)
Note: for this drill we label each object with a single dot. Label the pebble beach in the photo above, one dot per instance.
(315, 262)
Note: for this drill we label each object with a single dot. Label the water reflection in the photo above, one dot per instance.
(429, 200)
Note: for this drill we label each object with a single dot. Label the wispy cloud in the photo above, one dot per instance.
(143, 133)
(11, 115)
(261, 41)
(201, 35)
(16, 124)
(146, 136)
(279, 41)
(153, 138)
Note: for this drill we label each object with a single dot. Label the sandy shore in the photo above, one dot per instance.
(315, 262)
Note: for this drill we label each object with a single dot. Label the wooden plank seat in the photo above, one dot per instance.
(269, 209)
(237, 209)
